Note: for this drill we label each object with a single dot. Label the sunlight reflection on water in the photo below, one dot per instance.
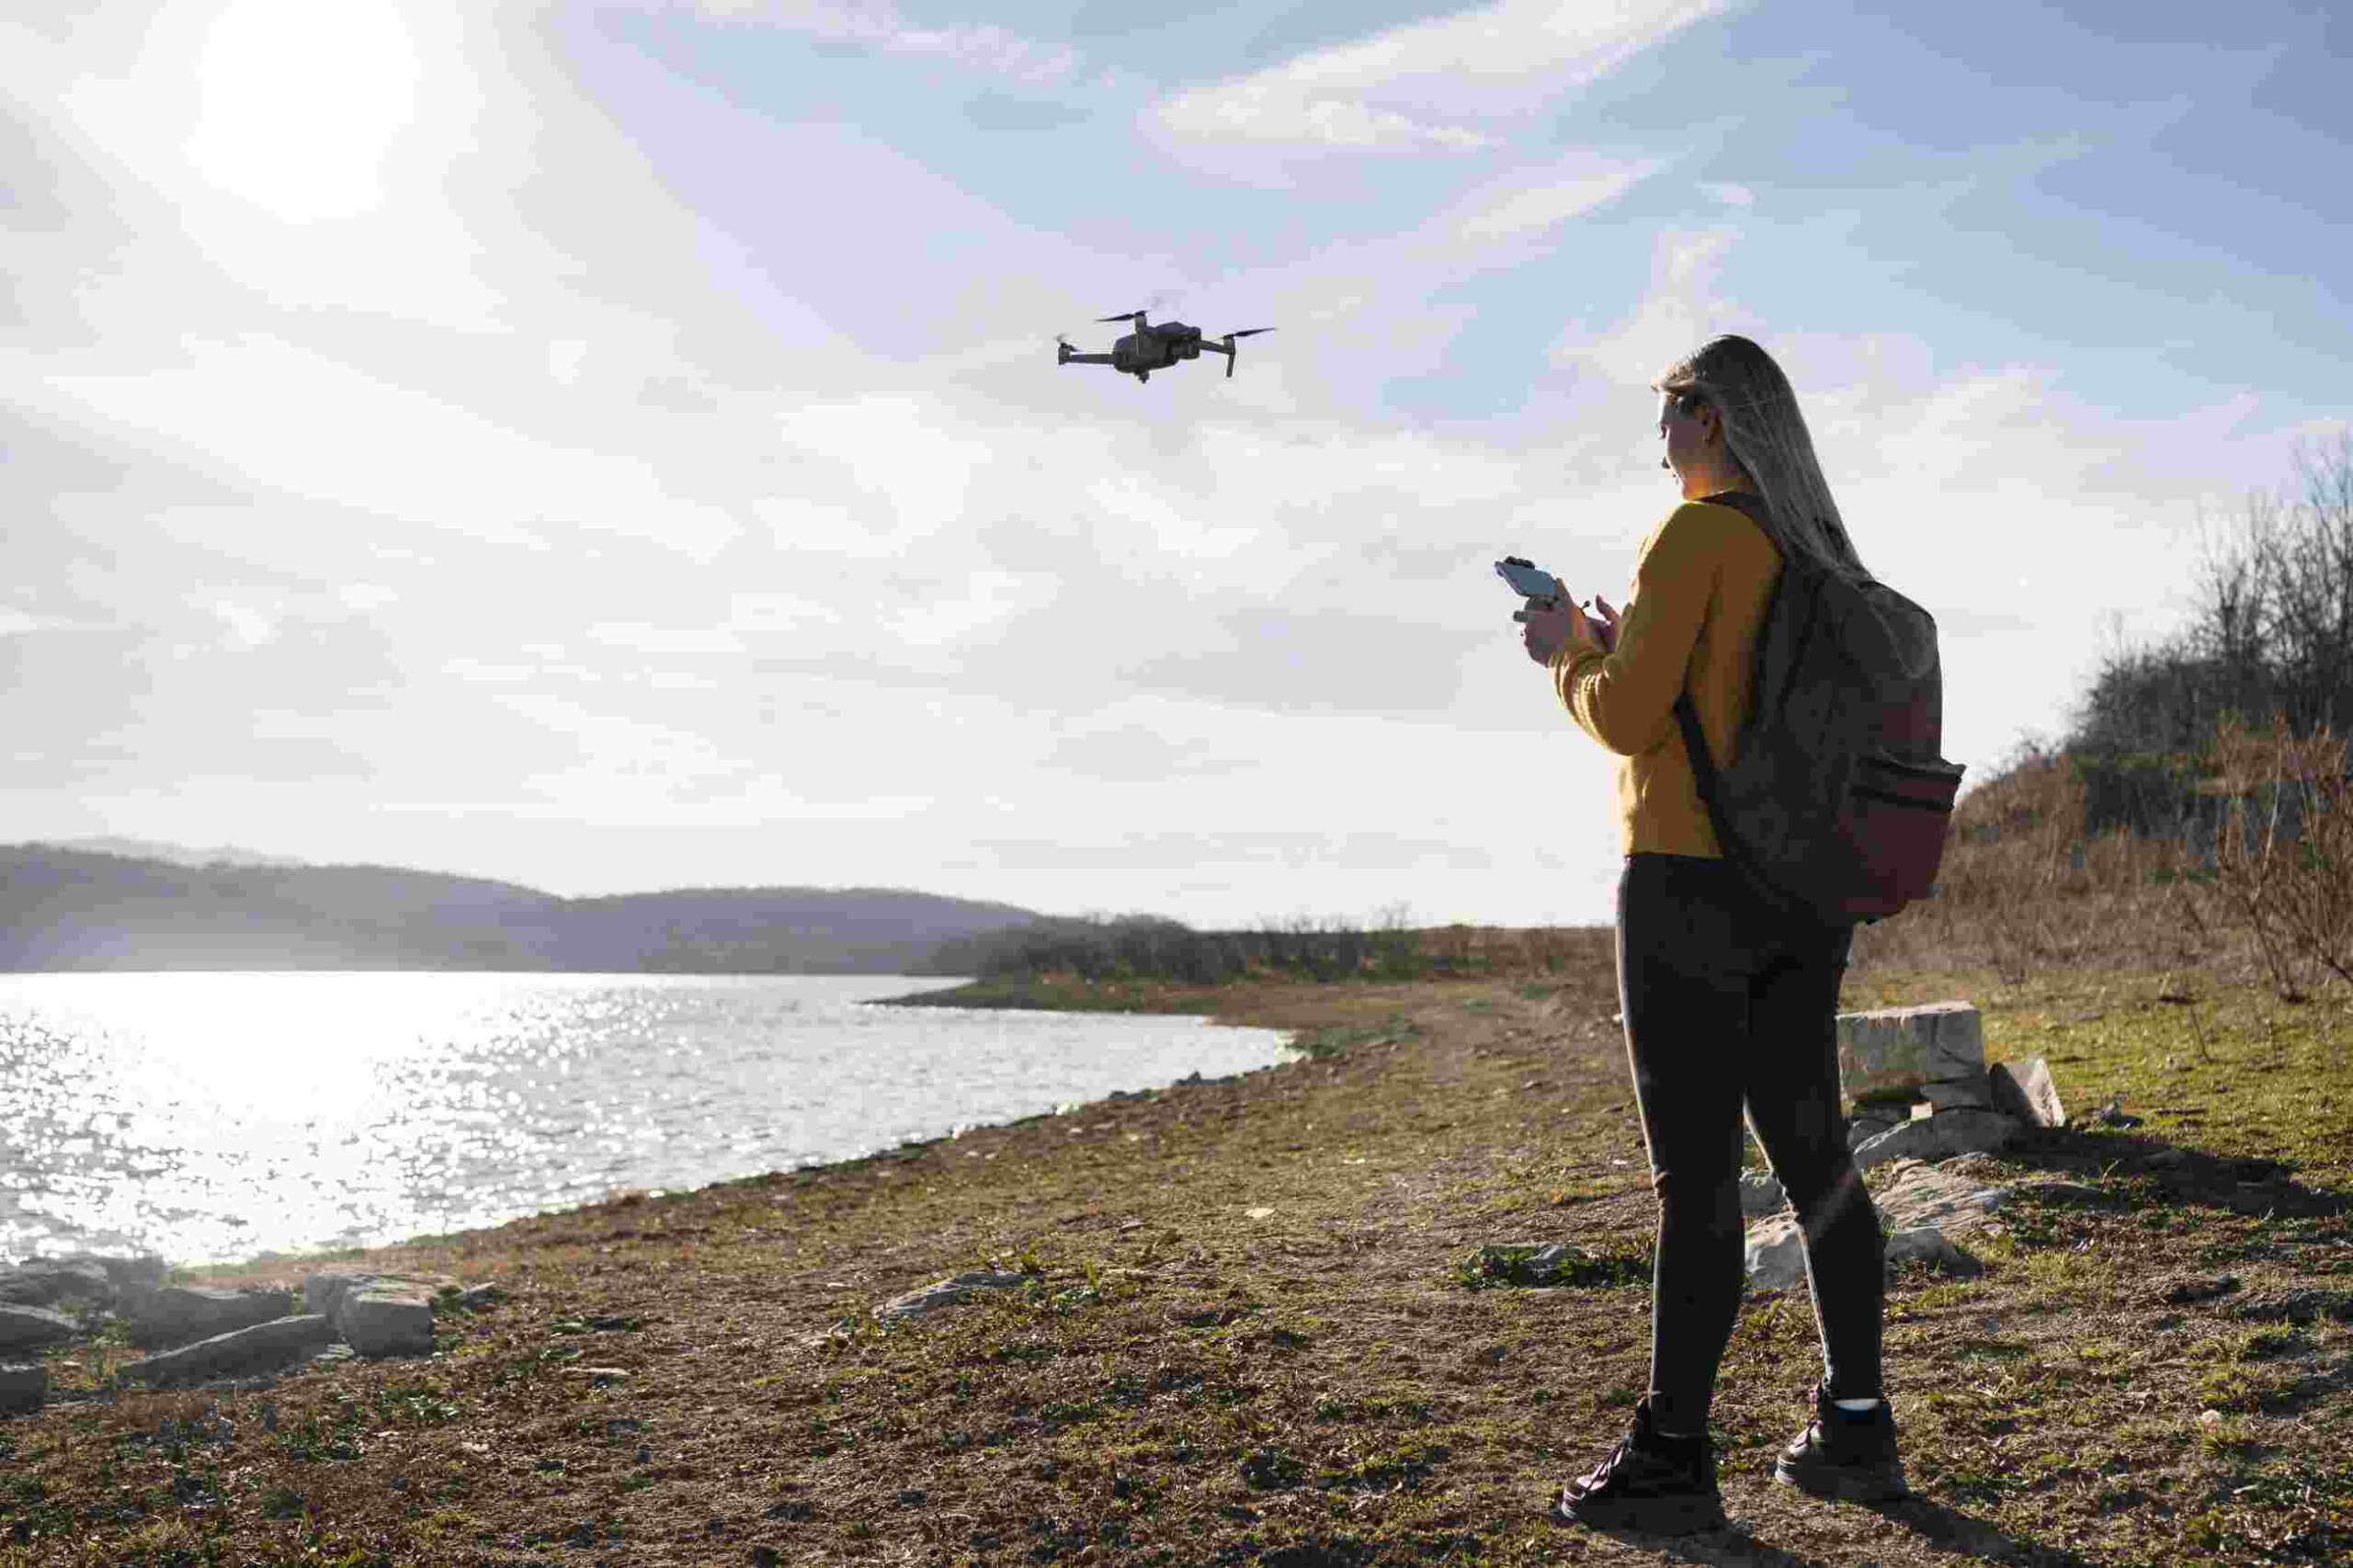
(217, 1116)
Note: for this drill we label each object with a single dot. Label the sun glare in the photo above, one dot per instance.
(301, 105)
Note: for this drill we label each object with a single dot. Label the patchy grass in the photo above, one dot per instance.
(1247, 1331)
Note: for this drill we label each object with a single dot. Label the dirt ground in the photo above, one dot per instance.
(1252, 1331)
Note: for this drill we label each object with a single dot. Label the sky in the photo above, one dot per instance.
(611, 446)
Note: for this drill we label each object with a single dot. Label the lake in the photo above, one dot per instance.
(213, 1117)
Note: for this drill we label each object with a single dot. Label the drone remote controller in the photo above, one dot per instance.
(1540, 588)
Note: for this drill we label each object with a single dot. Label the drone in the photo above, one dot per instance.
(1150, 347)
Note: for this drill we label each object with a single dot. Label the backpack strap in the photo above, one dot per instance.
(1703, 766)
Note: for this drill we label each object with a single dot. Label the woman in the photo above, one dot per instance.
(1726, 1006)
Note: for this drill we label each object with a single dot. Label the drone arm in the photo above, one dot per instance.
(1084, 359)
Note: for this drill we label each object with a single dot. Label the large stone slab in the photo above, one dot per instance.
(1939, 1137)
(2023, 1089)
(23, 1386)
(1920, 1212)
(177, 1314)
(1892, 1052)
(144, 1271)
(1950, 1197)
(322, 1293)
(1972, 1093)
(44, 1281)
(1864, 1126)
(387, 1317)
(29, 1328)
(256, 1347)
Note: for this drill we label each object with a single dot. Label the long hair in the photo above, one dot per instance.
(1768, 443)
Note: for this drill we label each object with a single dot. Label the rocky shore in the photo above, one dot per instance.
(198, 1335)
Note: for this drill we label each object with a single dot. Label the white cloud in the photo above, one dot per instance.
(1430, 83)
(1731, 195)
(1679, 310)
(880, 25)
(1545, 194)
(247, 627)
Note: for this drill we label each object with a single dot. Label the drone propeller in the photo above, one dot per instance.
(1230, 355)
(1132, 315)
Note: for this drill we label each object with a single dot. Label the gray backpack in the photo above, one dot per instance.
(1836, 806)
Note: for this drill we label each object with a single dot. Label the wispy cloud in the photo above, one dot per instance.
(1544, 195)
(880, 25)
(1438, 84)
(1679, 309)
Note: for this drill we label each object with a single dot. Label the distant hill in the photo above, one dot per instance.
(177, 854)
(82, 909)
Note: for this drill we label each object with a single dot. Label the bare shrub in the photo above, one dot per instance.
(2283, 858)
(2025, 885)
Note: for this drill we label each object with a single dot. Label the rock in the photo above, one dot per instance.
(2302, 1305)
(143, 1272)
(1925, 1244)
(324, 1292)
(1921, 1197)
(944, 1292)
(28, 1328)
(1760, 1195)
(257, 1347)
(2112, 1114)
(2185, 1292)
(1527, 1263)
(479, 1297)
(1862, 1128)
(1776, 1253)
(1986, 1169)
(41, 1281)
(1973, 1093)
(1916, 1195)
(387, 1317)
(23, 1386)
(175, 1314)
(1936, 1137)
(1893, 1050)
(2023, 1089)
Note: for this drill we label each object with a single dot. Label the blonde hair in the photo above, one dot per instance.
(1766, 436)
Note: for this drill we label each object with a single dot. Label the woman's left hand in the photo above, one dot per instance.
(1546, 630)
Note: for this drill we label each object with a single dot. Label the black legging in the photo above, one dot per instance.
(1727, 1004)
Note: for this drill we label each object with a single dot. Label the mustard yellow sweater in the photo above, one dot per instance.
(1698, 597)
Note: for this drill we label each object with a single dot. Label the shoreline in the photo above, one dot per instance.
(295, 1258)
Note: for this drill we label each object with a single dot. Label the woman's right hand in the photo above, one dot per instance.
(1601, 626)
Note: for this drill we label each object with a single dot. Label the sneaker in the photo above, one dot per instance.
(1845, 1454)
(1658, 1485)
